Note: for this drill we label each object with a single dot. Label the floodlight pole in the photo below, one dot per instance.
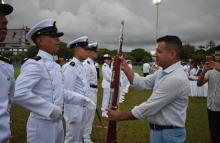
(157, 2)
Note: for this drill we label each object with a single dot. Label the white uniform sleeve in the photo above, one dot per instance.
(29, 77)
(71, 97)
(12, 86)
(87, 69)
(165, 94)
(69, 77)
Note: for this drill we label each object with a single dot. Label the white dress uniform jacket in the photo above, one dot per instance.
(75, 80)
(91, 75)
(39, 88)
(6, 92)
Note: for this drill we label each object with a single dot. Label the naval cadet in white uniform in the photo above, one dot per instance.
(39, 87)
(6, 78)
(106, 82)
(75, 80)
(91, 74)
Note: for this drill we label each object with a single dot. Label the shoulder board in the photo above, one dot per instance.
(72, 64)
(88, 62)
(7, 60)
(36, 58)
(24, 60)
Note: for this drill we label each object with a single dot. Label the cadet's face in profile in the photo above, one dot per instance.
(82, 53)
(3, 28)
(108, 61)
(162, 55)
(93, 55)
(51, 43)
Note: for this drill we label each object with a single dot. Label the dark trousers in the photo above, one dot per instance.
(214, 125)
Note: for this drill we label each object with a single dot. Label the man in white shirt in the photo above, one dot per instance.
(166, 108)
(211, 74)
(6, 78)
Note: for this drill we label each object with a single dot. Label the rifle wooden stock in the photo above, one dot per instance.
(112, 126)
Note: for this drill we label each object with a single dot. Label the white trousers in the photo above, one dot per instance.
(105, 99)
(89, 117)
(44, 131)
(74, 115)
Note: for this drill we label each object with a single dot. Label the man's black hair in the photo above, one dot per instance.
(173, 40)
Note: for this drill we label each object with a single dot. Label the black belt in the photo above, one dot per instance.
(93, 86)
(161, 127)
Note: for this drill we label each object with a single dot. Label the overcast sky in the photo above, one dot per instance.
(194, 21)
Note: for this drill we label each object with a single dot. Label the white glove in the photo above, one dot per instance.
(56, 113)
(86, 102)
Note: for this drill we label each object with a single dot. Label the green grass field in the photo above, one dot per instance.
(128, 131)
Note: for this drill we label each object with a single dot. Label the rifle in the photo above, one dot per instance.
(112, 133)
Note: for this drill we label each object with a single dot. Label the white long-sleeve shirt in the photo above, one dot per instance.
(168, 102)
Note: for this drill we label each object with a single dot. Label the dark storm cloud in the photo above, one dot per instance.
(194, 21)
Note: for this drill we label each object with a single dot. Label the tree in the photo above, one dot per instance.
(32, 51)
(103, 51)
(140, 55)
(210, 44)
(199, 56)
(188, 51)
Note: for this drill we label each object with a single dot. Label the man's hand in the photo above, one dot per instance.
(123, 62)
(119, 116)
(113, 115)
(86, 102)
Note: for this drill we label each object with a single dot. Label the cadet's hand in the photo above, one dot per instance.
(113, 115)
(56, 113)
(86, 102)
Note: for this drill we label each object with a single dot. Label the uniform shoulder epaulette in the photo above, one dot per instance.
(36, 58)
(72, 64)
(24, 60)
(88, 62)
(7, 60)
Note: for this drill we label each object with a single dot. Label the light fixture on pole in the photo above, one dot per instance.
(157, 2)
